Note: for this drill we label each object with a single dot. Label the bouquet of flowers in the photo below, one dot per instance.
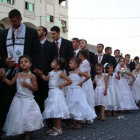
(122, 71)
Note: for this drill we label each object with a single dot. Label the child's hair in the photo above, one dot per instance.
(122, 58)
(84, 53)
(61, 62)
(98, 65)
(108, 66)
(76, 60)
(25, 56)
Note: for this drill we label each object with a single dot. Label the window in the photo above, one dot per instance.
(50, 18)
(62, 23)
(11, 2)
(29, 6)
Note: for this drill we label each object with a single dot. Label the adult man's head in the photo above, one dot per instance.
(108, 50)
(15, 18)
(55, 32)
(83, 44)
(117, 53)
(42, 32)
(100, 48)
(127, 58)
(136, 59)
(76, 43)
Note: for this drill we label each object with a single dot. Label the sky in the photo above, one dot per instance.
(115, 23)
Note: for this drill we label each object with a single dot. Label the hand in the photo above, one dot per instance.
(38, 71)
(2, 73)
(10, 62)
(80, 84)
(118, 72)
(130, 83)
(105, 92)
(61, 86)
(25, 84)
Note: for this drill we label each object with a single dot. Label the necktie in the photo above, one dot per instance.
(57, 43)
(100, 56)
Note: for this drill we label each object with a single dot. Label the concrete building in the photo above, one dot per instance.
(37, 12)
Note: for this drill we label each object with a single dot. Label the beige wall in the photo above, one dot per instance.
(42, 8)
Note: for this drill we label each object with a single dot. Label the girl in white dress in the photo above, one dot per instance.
(136, 84)
(24, 114)
(55, 105)
(113, 97)
(88, 85)
(101, 90)
(128, 102)
(76, 100)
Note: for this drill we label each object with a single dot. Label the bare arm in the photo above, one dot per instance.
(86, 75)
(133, 78)
(44, 77)
(10, 82)
(34, 86)
(68, 81)
(106, 83)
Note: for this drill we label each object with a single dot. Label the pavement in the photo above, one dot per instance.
(110, 129)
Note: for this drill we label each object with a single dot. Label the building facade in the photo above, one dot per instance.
(46, 13)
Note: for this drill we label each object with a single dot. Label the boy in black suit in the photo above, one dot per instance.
(64, 46)
(108, 51)
(75, 42)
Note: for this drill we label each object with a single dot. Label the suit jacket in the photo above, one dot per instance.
(132, 66)
(105, 59)
(66, 50)
(2, 53)
(32, 47)
(50, 52)
(112, 61)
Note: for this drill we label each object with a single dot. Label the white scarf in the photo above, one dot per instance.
(16, 49)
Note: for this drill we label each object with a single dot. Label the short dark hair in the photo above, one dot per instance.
(25, 56)
(14, 13)
(136, 58)
(44, 29)
(107, 48)
(101, 45)
(127, 55)
(56, 29)
(117, 50)
(76, 39)
(83, 40)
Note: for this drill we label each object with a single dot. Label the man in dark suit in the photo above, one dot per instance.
(49, 53)
(134, 63)
(83, 46)
(108, 51)
(117, 56)
(100, 57)
(64, 46)
(31, 47)
(76, 43)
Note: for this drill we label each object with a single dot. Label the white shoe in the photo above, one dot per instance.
(56, 132)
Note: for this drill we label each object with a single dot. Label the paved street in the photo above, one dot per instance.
(111, 129)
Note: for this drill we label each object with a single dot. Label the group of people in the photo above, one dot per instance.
(43, 80)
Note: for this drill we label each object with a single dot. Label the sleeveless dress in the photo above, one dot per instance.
(128, 102)
(114, 101)
(76, 101)
(88, 85)
(55, 104)
(100, 99)
(24, 114)
(136, 87)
